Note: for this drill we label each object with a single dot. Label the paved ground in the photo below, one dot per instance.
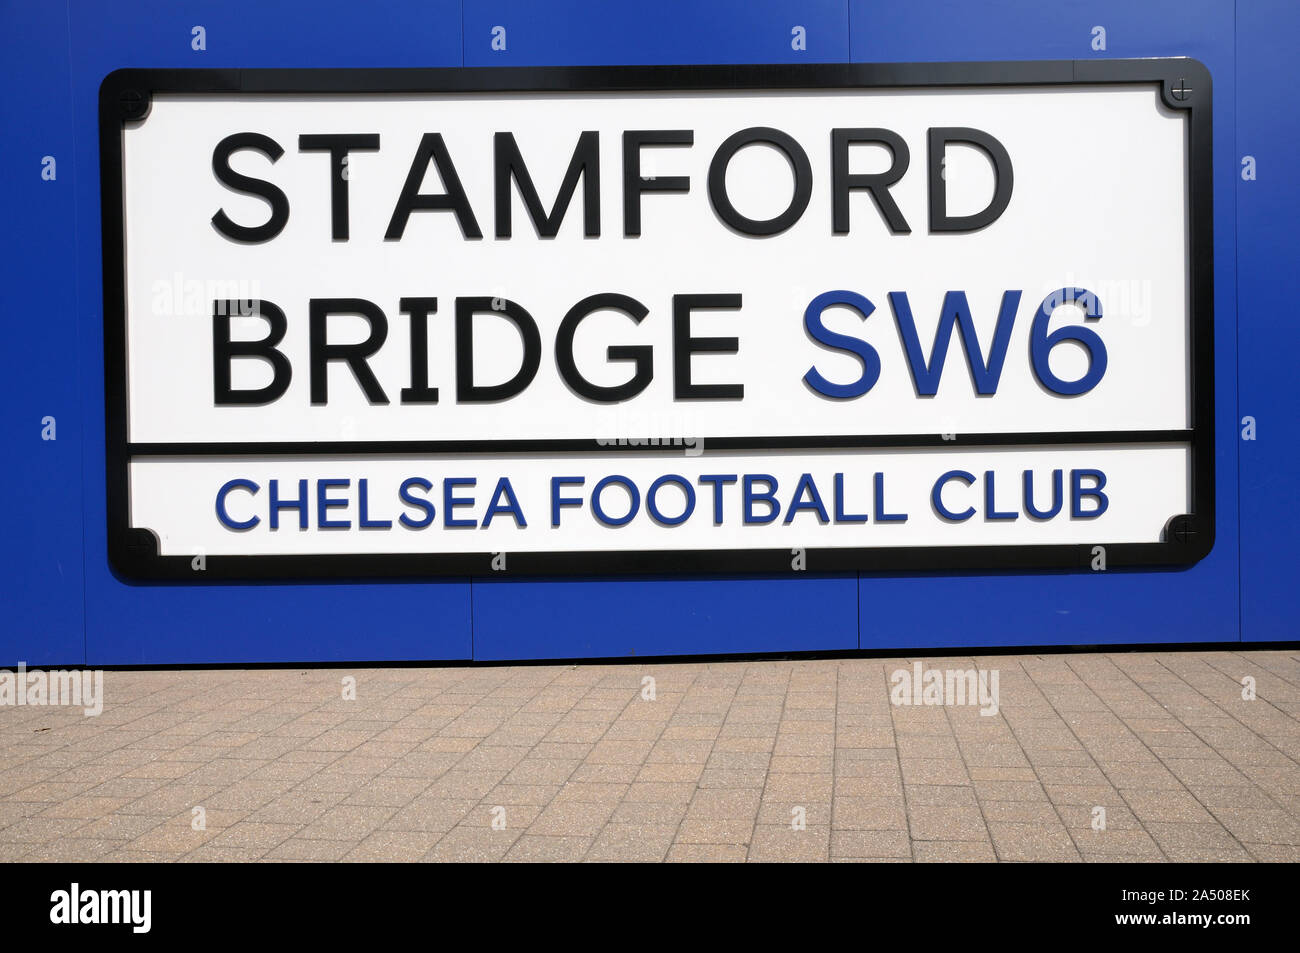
(577, 762)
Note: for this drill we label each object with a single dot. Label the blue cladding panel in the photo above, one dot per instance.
(259, 33)
(41, 610)
(600, 33)
(1200, 603)
(955, 30)
(1268, 208)
(590, 618)
(179, 624)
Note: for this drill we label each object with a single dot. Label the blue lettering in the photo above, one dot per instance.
(495, 506)
(936, 496)
(881, 515)
(325, 502)
(956, 311)
(990, 510)
(224, 516)
(719, 480)
(812, 319)
(557, 501)
(634, 500)
(806, 485)
(363, 504)
(278, 504)
(1041, 343)
(653, 507)
(840, 515)
(1033, 511)
(405, 494)
(752, 497)
(450, 501)
(1077, 493)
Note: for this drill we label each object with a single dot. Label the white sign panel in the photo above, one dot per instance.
(420, 322)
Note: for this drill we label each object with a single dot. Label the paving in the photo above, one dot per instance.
(1114, 756)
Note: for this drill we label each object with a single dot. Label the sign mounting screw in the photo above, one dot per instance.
(133, 104)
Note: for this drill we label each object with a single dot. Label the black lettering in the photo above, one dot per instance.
(633, 182)
(354, 355)
(684, 346)
(876, 183)
(799, 165)
(466, 390)
(419, 309)
(1003, 179)
(338, 145)
(508, 163)
(247, 184)
(225, 350)
(640, 355)
(432, 148)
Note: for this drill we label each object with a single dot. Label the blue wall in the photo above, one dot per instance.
(63, 605)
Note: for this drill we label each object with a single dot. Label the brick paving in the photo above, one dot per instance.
(573, 762)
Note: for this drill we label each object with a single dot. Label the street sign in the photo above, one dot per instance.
(705, 319)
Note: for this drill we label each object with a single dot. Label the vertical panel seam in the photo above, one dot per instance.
(78, 376)
(1236, 298)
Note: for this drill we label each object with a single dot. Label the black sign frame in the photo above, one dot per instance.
(133, 553)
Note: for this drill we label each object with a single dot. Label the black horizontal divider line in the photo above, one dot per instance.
(864, 442)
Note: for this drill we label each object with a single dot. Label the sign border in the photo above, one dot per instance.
(133, 553)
